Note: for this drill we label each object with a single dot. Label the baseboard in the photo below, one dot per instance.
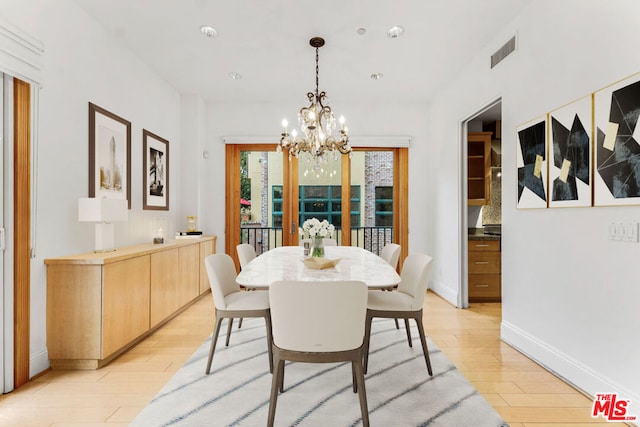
(445, 292)
(565, 367)
(38, 363)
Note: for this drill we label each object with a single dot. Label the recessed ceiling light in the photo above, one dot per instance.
(377, 76)
(395, 31)
(208, 31)
(235, 76)
(361, 31)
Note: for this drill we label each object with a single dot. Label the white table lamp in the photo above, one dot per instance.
(103, 212)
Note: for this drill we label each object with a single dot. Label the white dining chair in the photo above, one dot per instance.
(246, 253)
(405, 303)
(329, 242)
(318, 322)
(391, 254)
(231, 302)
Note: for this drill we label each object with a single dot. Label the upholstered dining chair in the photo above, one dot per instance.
(231, 302)
(405, 303)
(246, 253)
(391, 254)
(303, 332)
(329, 242)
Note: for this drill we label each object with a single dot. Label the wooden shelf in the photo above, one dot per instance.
(479, 168)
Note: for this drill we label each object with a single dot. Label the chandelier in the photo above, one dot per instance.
(317, 123)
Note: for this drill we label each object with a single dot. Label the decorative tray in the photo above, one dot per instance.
(320, 263)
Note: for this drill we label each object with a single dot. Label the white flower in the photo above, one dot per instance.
(314, 227)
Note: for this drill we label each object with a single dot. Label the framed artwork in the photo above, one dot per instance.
(617, 143)
(532, 164)
(155, 170)
(109, 155)
(569, 153)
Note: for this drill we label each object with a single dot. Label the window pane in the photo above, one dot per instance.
(315, 207)
(277, 191)
(384, 206)
(384, 220)
(384, 192)
(316, 192)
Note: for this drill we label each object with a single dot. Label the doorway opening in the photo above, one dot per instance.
(482, 213)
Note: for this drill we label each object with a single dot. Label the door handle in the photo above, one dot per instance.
(294, 229)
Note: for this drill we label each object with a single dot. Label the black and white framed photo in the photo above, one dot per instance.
(155, 180)
(109, 155)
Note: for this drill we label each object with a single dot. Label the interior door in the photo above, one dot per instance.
(2, 235)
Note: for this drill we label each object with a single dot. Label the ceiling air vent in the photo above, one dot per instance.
(503, 52)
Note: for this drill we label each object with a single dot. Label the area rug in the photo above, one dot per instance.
(399, 390)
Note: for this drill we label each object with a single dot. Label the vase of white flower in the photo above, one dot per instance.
(316, 230)
(317, 249)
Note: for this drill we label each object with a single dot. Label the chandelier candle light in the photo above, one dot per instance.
(317, 123)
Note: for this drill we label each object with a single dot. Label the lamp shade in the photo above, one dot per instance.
(102, 210)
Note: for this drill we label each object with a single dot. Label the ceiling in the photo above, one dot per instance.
(267, 43)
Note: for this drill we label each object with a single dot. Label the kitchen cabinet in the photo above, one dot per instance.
(479, 168)
(485, 271)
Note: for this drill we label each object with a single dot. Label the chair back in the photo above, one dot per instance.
(301, 242)
(414, 278)
(222, 278)
(246, 253)
(318, 316)
(391, 254)
(329, 242)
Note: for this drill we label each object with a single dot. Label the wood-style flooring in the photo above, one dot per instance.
(522, 392)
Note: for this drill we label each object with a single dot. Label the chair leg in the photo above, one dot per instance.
(267, 319)
(406, 325)
(354, 379)
(397, 325)
(240, 323)
(212, 348)
(423, 339)
(362, 392)
(367, 339)
(275, 379)
(229, 326)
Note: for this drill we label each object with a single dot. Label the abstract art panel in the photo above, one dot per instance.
(617, 148)
(570, 154)
(532, 164)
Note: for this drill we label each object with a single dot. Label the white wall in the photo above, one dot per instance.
(83, 64)
(569, 294)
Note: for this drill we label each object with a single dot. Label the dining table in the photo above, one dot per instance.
(287, 263)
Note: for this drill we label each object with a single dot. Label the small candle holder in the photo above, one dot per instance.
(159, 237)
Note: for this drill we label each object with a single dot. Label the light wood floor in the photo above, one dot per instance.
(522, 392)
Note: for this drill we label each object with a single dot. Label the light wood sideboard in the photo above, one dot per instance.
(100, 304)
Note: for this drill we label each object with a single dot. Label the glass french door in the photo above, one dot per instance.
(270, 196)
